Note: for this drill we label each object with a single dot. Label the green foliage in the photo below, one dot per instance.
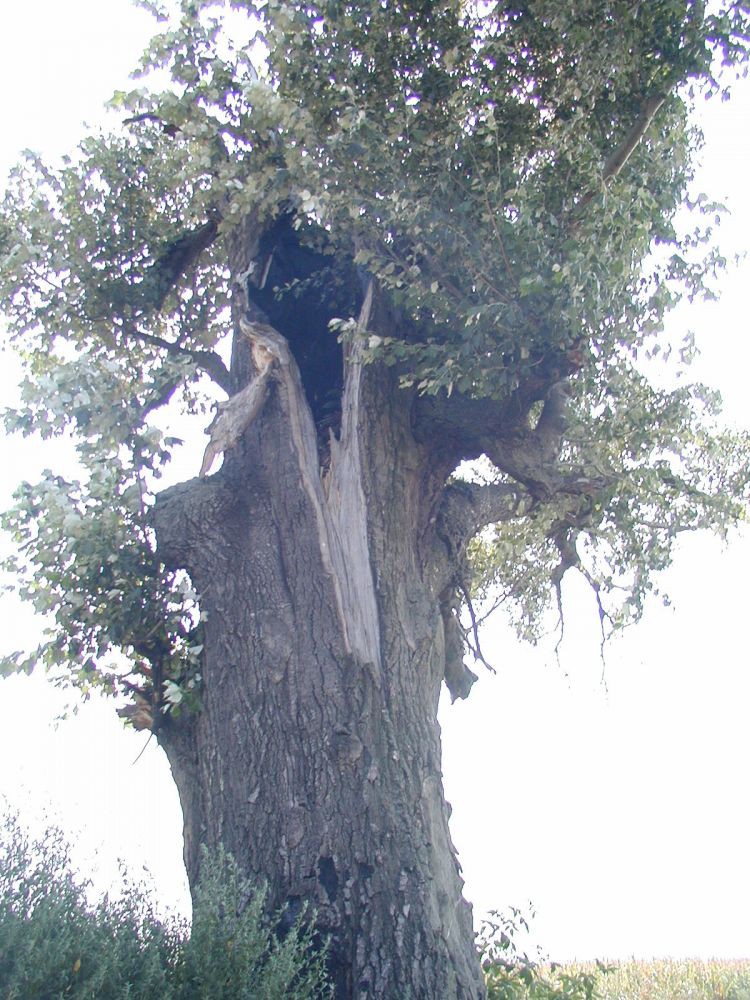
(510, 173)
(692, 477)
(475, 134)
(511, 975)
(232, 951)
(85, 557)
(54, 942)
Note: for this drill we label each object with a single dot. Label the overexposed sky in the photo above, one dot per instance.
(622, 813)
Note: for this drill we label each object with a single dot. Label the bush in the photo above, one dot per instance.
(511, 975)
(55, 944)
(233, 952)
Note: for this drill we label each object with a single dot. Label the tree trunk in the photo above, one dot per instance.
(315, 757)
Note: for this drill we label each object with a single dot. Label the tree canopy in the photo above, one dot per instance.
(512, 175)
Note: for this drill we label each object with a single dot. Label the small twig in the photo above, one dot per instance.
(603, 616)
(143, 748)
(497, 603)
(168, 128)
(476, 649)
(565, 542)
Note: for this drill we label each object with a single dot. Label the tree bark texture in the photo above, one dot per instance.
(315, 757)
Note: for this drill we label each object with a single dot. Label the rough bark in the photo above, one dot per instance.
(315, 756)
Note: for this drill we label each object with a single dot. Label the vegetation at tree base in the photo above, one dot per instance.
(399, 236)
(54, 942)
(511, 975)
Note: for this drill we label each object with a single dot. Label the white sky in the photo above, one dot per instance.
(622, 813)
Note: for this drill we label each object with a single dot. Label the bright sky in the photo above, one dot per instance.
(622, 813)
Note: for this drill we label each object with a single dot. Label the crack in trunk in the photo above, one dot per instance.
(315, 756)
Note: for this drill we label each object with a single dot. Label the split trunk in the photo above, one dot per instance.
(315, 757)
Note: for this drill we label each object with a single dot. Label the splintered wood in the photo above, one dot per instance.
(234, 415)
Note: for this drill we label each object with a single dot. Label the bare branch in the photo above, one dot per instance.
(234, 416)
(160, 398)
(621, 155)
(176, 259)
(617, 160)
(475, 647)
(209, 361)
(564, 535)
(122, 296)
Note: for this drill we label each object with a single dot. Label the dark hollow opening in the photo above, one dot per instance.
(301, 284)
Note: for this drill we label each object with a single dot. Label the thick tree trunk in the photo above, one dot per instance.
(315, 757)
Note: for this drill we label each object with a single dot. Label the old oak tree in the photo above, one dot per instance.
(392, 238)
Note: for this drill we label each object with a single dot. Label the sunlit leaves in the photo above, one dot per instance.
(462, 152)
(85, 561)
(673, 468)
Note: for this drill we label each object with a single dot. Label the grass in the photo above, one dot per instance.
(672, 979)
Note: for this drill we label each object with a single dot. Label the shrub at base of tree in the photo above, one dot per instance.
(55, 943)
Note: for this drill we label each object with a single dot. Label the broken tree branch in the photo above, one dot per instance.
(235, 415)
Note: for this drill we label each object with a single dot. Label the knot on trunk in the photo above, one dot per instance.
(181, 509)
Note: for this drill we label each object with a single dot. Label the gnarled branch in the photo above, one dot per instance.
(466, 508)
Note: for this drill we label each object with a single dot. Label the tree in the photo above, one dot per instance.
(420, 234)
